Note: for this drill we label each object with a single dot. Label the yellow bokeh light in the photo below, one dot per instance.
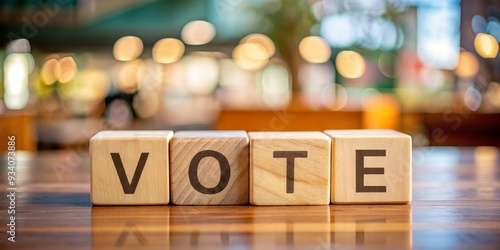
(314, 49)
(94, 85)
(486, 45)
(200, 74)
(51, 71)
(127, 48)
(255, 51)
(89, 85)
(261, 39)
(250, 56)
(467, 65)
(350, 64)
(127, 75)
(68, 69)
(198, 32)
(168, 50)
(493, 93)
(485, 156)
(381, 111)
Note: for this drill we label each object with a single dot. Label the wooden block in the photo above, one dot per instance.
(129, 167)
(209, 167)
(370, 166)
(289, 168)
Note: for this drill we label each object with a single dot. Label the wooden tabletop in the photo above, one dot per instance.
(456, 205)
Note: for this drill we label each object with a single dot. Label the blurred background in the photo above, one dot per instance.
(71, 68)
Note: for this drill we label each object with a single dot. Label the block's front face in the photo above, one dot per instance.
(130, 167)
(209, 168)
(370, 166)
(289, 168)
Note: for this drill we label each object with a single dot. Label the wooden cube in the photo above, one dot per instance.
(289, 168)
(129, 167)
(370, 166)
(209, 167)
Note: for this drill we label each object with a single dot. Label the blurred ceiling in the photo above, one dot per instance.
(76, 23)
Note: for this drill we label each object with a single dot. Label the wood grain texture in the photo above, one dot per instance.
(370, 166)
(456, 203)
(274, 154)
(130, 167)
(209, 168)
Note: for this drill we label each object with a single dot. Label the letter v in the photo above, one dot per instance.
(129, 188)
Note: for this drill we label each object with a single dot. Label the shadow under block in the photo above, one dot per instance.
(289, 168)
(370, 166)
(129, 167)
(209, 167)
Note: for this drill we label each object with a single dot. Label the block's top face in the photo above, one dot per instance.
(128, 134)
(211, 134)
(287, 135)
(365, 133)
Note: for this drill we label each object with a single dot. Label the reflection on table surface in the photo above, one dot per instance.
(456, 205)
(251, 227)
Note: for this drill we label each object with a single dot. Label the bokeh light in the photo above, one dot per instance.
(339, 30)
(334, 96)
(350, 64)
(127, 48)
(233, 75)
(468, 65)
(89, 85)
(95, 85)
(494, 28)
(18, 46)
(275, 82)
(127, 75)
(381, 111)
(51, 71)
(486, 157)
(387, 63)
(200, 74)
(168, 50)
(68, 68)
(16, 75)
(250, 56)
(493, 93)
(198, 32)
(314, 49)
(478, 24)
(472, 99)
(486, 45)
(263, 40)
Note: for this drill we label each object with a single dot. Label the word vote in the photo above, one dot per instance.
(260, 168)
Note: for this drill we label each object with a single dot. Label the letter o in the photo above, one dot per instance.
(225, 171)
